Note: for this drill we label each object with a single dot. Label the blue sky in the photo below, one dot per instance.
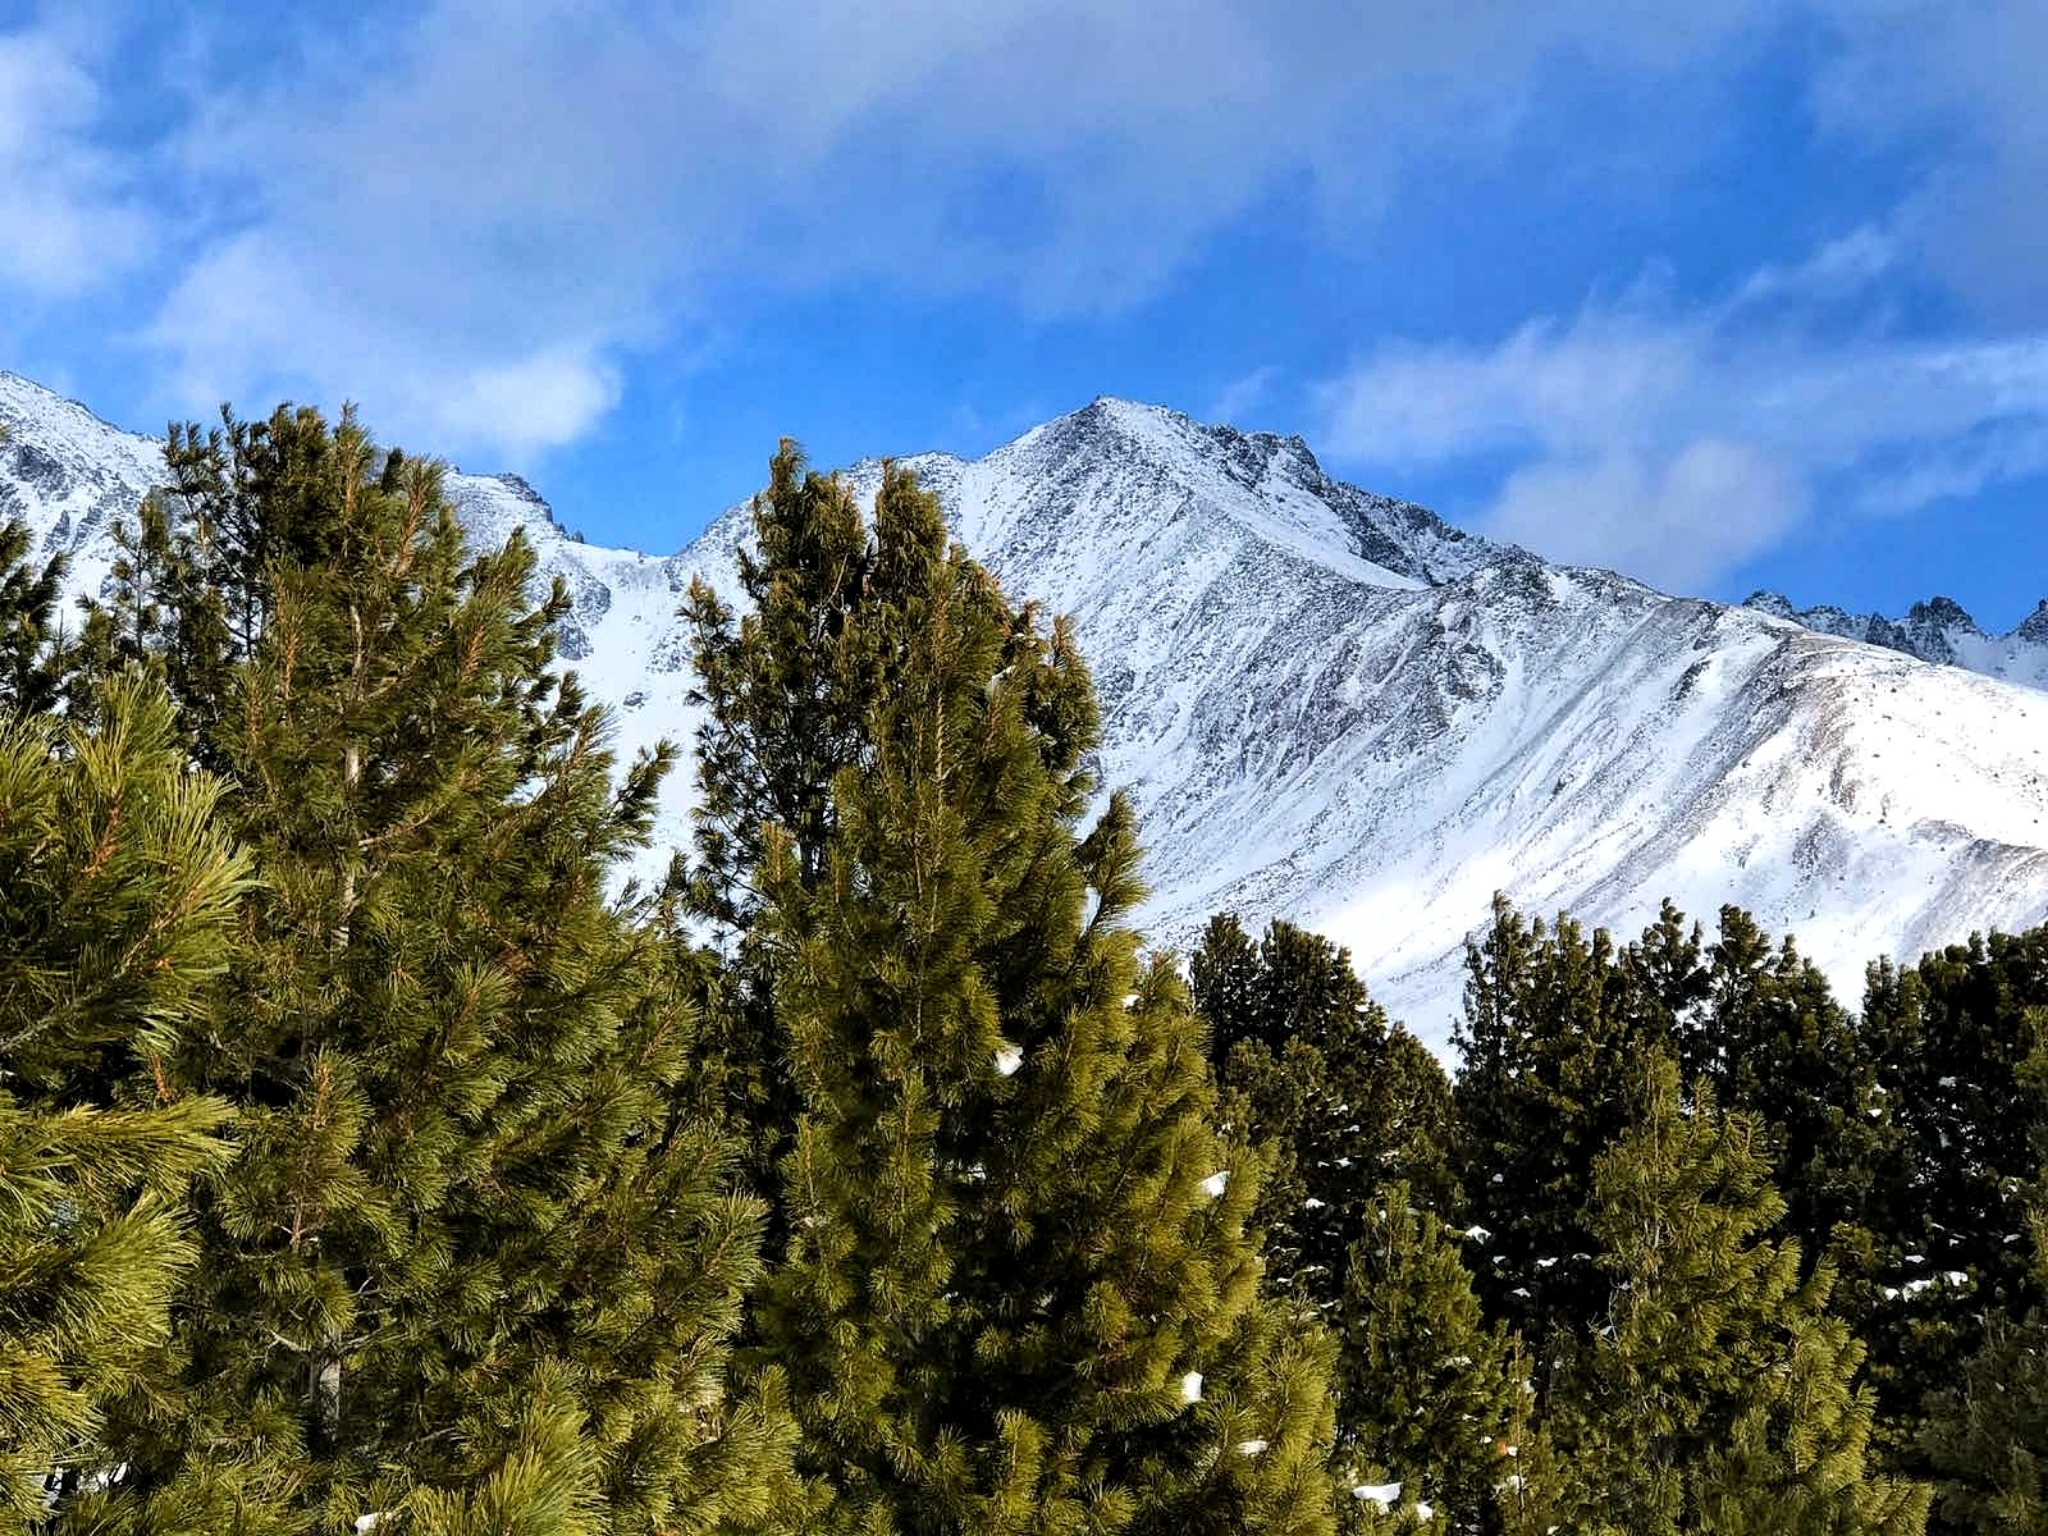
(1721, 293)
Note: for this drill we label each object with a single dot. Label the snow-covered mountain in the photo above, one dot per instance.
(1938, 630)
(1338, 708)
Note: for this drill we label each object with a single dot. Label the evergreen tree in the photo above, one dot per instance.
(1557, 1026)
(1342, 1099)
(1960, 1043)
(117, 898)
(1983, 1428)
(1427, 1394)
(33, 654)
(785, 689)
(1019, 1295)
(788, 689)
(471, 1269)
(1986, 1438)
(164, 607)
(784, 694)
(1781, 1048)
(1551, 1039)
(1717, 1396)
(1760, 1025)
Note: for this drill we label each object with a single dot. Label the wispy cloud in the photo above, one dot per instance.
(1675, 444)
(572, 182)
(70, 216)
(1960, 84)
(1243, 395)
(475, 215)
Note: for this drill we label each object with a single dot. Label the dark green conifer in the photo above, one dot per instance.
(1019, 1295)
(33, 653)
(1785, 1051)
(1550, 1041)
(1960, 1044)
(1427, 1390)
(1985, 1433)
(1985, 1438)
(1717, 1395)
(1342, 1099)
(164, 608)
(788, 688)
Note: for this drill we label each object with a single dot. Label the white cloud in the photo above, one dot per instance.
(1959, 85)
(1675, 444)
(451, 196)
(69, 222)
(1676, 520)
(258, 316)
(446, 197)
(1243, 395)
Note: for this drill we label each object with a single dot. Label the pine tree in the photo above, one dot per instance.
(1551, 1038)
(1983, 1428)
(1427, 1393)
(164, 607)
(1717, 1396)
(1342, 1099)
(33, 653)
(472, 1269)
(1760, 1025)
(1781, 1048)
(1019, 1295)
(1960, 1045)
(117, 897)
(788, 691)
(1986, 1439)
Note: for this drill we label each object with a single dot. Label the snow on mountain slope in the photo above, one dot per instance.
(1938, 630)
(69, 475)
(1337, 708)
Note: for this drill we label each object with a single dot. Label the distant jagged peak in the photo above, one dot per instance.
(1938, 614)
(520, 487)
(492, 505)
(2034, 627)
(1937, 629)
(1944, 612)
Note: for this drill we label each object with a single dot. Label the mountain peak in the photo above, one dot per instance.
(1334, 707)
(1944, 612)
(1270, 484)
(32, 407)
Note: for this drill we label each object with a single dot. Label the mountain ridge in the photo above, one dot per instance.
(1937, 629)
(1335, 707)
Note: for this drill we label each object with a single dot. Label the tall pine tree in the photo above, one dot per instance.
(471, 1269)
(1350, 1099)
(788, 688)
(1549, 1042)
(1717, 1395)
(1960, 1043)
(33, 652)
(1019, 1295)
(1428, 1390)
